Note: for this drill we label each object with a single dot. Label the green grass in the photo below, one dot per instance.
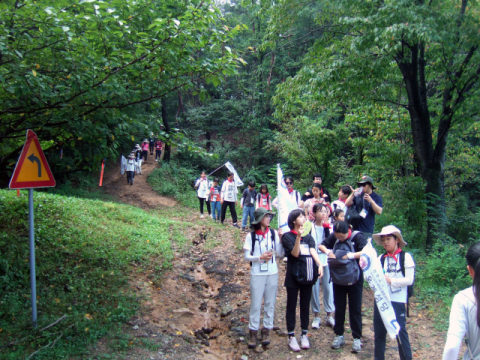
(84, 252)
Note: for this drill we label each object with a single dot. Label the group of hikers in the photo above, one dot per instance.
(133, 164)
(323, 248)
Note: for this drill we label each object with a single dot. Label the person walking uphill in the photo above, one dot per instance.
(247, 203)
(202, 192)
(228, 197)
(261, 248)
(302, 268)
(399, 269)
(145, 149)
(367, 203)
(347, 278)
(130, 168)
(158, 149)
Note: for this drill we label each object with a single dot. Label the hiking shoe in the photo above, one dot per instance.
(338, 342)
(356, 346)
(330, 321)
(316, 323)
(252, 341)
(202, 216)
(304, 343)
(236, 225)
(292, 343)
(243, 229)
(265, 337)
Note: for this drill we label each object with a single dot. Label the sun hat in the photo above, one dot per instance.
(131, 156)
(366, 180)
(259, 214)
(137, 146)
(389, 230)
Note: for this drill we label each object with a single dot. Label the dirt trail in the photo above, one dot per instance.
(200, 309)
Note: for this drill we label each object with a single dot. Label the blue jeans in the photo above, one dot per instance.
(247, 211)
(381, 332)
(216, 205)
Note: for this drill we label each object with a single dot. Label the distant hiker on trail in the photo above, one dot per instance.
(247, 203)
(465, 313)
(145, 149)
(261, 248)
(316, 199)
(158, 149)
(293, 193)
(151, 145)
(320, 231)
(343, 194)
(264, 199)
(215, 199)
(228, 196)
(138, 159)
(202, 192)
(347, 278)
(302, 255)
(399, 270)
(130, 168)
(317, 179)
(367, 203)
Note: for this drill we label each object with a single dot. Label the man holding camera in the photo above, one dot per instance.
(367, 203)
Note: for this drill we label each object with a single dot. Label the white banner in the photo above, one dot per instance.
(285, 201)
(236, 178)
(373, 273)
(123, 163)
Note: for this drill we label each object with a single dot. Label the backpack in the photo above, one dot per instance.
(253, 236)
(352, 215)
(305, 270)
(344, 271)
(401, 258)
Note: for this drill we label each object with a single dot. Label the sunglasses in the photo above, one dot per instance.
(288, 182)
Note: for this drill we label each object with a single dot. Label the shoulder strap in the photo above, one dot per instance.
(272, 232)
(254, 240)
(296, 196)
(355, 233)
(382, 260)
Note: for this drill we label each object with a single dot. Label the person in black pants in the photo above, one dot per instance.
(228, 198)
(151, 144)
(342, 233)
(233, 211)
(294, 245)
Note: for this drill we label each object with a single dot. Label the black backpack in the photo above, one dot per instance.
(401, 258)
(305, 270)
(344, 271)
(352, 215)
(254, 240)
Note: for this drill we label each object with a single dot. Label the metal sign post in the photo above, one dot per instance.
(31, 238)
(34, 173)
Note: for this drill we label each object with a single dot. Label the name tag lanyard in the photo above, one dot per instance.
(260, 242)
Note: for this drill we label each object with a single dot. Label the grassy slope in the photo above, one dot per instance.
(84, 249)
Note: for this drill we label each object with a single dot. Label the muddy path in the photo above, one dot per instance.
(199, 309)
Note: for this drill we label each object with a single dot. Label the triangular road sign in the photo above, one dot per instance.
(32, 170)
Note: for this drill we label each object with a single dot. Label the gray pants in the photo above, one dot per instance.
(262, 287)
(327, 288)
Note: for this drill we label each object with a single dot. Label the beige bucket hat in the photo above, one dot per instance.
(389, 230)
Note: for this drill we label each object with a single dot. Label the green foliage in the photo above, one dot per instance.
(84, 249)
(81, 74)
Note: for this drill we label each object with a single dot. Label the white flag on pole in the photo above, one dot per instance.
(236, 178)
(373, 273)
(285, 201)
(123, 163)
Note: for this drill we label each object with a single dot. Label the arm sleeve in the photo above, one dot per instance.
(249, 257)
(247, 248)
(197, 183)
(329, 242)
(456, 330)
(288, 244)
(222, 192)
(279, 246)
(407, 280)
(360, 243)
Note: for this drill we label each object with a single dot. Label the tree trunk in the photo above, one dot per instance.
(168, 147)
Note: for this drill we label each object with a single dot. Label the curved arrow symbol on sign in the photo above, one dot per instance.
(33, 158)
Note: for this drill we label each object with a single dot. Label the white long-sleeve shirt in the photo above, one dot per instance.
(263, 244)
(463, 322)
(297, 198)
(229, 191)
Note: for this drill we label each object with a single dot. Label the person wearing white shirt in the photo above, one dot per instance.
(296, 197)
(262, 252)
(398, 280)
(228, 198)
(203, 187)
(465, 313)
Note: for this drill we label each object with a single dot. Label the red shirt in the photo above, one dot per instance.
(158, 145)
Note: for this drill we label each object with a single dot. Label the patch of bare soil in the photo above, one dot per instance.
(201, 308)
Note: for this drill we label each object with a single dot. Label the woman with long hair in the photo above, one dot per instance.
(465, 313)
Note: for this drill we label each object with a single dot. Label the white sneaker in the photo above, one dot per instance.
(285, 259)
(330, 321)
(202, 216)
(338, 342)
(316, 323)
(292, 343)
(304, 343)
(356, 346)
